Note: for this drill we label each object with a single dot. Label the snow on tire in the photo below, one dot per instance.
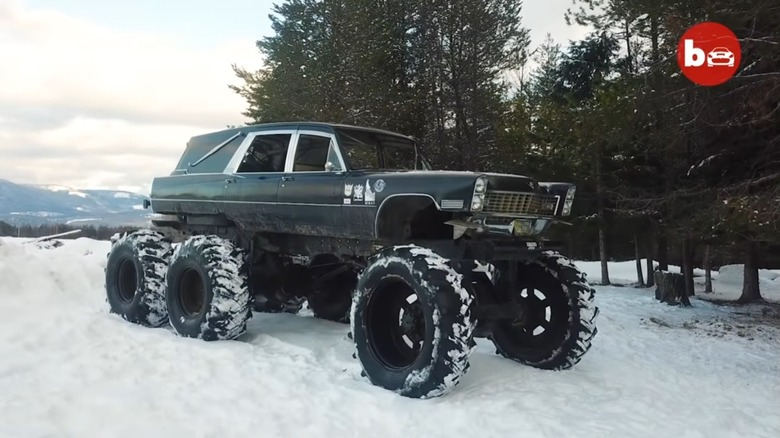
(560, 321)
(135, 276)
(208, 289)
(411, 321)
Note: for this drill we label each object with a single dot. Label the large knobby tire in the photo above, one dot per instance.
(557, 338)
(135, 277)
(208, 293)
(412, 324)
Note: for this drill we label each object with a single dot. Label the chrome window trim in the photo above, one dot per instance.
(235, 162)
(290, 164)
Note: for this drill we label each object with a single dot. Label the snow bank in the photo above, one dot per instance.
(733, 274)
(69, 368)
(726, 282)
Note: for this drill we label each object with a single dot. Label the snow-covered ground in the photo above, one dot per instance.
(68, 368)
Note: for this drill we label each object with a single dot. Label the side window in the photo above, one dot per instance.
(313, 154)
(267, 153)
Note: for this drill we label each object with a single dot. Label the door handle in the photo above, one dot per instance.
(230, 180)
(288, 178)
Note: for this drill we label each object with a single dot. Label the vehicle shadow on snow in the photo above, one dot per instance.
(322, 339)
(318, 336)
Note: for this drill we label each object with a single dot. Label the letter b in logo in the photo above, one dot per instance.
(694, 56)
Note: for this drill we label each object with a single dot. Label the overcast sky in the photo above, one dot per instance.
(105, 93)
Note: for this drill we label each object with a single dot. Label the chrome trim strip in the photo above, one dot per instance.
(452, 204)
(257, 202)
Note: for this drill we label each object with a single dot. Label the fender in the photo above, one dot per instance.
(394, 195)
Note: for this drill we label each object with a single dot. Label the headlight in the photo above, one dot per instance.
(477, 202)
(568, 201)
(481, 185)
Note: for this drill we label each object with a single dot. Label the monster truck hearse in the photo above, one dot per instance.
(356, 222)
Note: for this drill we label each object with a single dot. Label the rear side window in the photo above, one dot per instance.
(267, 153)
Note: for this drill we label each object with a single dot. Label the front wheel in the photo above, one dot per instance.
(411, 322)
(559, 321)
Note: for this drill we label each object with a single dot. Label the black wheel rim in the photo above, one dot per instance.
(395, 324)
(192, 293)
(545, 319)
(127, 280)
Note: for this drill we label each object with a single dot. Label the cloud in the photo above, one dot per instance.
(541, 19)
(93, 153)
(93, 107)
(89, 106)
(548, 17)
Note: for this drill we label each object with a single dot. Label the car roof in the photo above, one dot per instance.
(304, 125)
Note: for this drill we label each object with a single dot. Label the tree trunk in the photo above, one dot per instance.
(638, 256)
(603, 256)
(687, 271)
(602, 221)
(654, 34)
(669, 287)
(750, 288)
(663, 255)
(707, 265)
(649, 252)
(629, 58)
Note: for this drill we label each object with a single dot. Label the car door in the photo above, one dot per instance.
(253, 177)
(311, 192)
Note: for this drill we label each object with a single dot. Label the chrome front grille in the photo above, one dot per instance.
(518, 204)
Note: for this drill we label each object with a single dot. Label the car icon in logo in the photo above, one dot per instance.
(720, 56)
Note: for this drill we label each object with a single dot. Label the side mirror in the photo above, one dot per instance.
(330, 167)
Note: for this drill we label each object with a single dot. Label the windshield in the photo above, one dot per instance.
(367, 150)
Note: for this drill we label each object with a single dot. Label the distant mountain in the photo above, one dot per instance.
(25, 204)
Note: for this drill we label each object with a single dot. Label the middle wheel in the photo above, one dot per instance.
(207, 289)
(411, 322)
(332, 298)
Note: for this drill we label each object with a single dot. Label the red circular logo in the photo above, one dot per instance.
(708, 53)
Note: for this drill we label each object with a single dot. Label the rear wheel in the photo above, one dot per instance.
(135, 277)
(411, 322)
(559, 321)
(208, 294)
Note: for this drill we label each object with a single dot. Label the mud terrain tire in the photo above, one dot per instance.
(135, 277)
(571, 325)
(434, 355)
(208, 289)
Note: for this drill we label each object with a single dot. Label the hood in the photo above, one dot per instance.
(511, 183)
